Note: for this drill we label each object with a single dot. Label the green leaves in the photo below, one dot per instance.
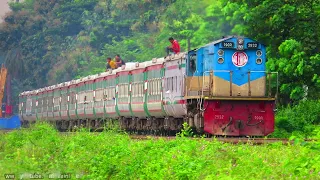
(296, 70)
(303, 118)
(186, 131)
(289, 48)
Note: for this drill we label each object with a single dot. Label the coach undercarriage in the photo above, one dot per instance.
(151, 124)
(215, 117)
(128, 124)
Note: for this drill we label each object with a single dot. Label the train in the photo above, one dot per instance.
(221, 88)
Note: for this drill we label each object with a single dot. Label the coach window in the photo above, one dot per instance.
(151, 86)
(72, 97)
(158, 86)
(113, 89)
(177, 83)
(171, 84)
(106, 89)
(140, 91)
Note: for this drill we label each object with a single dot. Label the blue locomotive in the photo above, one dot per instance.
(229, 78)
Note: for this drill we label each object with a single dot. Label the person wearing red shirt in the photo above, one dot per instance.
(175, 47)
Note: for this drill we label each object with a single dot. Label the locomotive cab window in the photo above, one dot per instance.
(192, 63)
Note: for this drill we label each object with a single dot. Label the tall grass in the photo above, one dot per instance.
(113, 155)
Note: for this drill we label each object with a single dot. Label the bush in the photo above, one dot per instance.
(300, 120)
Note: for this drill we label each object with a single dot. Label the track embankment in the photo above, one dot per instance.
(231, 140)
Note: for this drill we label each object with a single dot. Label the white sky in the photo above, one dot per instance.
(4, 8)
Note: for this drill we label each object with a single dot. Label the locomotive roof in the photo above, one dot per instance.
(218, 41)
(224, 39)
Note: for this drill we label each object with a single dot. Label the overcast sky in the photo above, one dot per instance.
(4, 8)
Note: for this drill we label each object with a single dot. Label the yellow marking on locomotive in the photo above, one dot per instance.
(255, 88)
(232, 98)
(215, 86)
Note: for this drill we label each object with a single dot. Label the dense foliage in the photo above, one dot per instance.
(301, 120)
(48, 42)
(44, 151)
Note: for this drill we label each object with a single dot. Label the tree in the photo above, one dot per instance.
(290, 29)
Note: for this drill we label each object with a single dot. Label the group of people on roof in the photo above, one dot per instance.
(118, 62)
(114, 64)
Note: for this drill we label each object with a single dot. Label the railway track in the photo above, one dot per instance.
(231, 140)
(3, 131)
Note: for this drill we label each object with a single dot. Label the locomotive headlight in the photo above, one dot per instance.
(240, 47)
(240, 41)
(220, 52)
(259, 61)
(259, 53)
(220, 60)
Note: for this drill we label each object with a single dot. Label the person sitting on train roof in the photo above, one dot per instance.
(175, 46)
(111, 64)
(119, 61)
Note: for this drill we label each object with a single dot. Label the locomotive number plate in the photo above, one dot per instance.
(258, 118)
(227, 44)
(252, 45)
(218, 117)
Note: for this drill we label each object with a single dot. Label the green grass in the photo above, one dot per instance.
(113, 155)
